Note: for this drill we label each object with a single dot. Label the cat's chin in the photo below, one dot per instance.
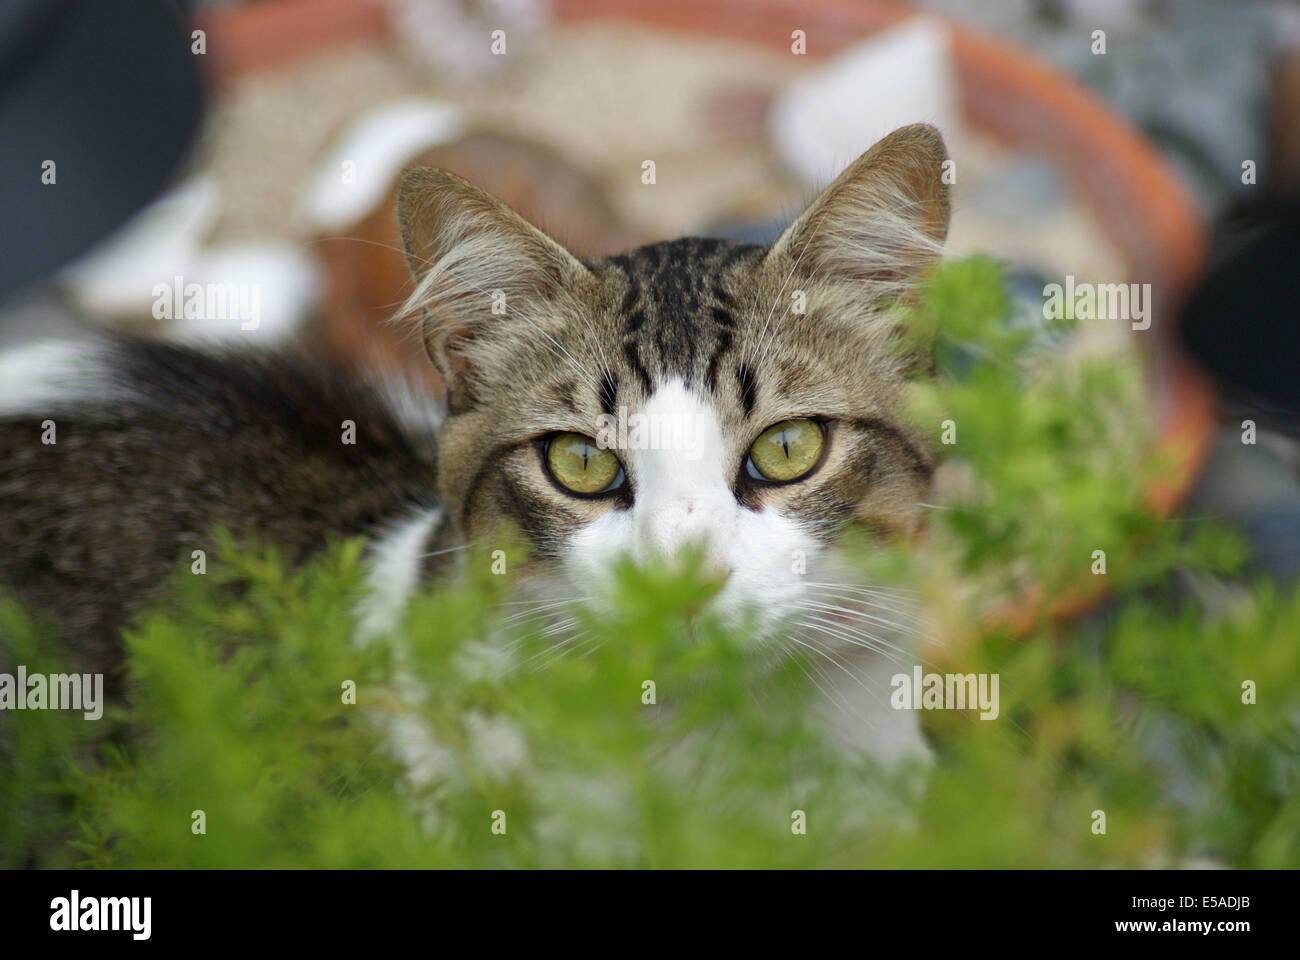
(855, 640)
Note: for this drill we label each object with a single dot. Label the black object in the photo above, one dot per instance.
(109, 91)
(1242, 323)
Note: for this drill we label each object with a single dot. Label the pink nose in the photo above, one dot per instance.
(686, 518)
(717, 570)
(677, 525)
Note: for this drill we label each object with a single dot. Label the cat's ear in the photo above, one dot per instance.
(477, 265)
(883, 220)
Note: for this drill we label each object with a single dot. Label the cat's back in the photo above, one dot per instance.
(119, 457)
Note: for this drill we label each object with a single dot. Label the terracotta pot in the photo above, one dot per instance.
(1005, 92)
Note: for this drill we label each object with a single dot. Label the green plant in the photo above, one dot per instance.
(238, 705)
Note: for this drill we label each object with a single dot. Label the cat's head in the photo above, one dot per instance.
(696, 390)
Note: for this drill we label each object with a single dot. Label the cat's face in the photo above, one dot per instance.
(691, 392)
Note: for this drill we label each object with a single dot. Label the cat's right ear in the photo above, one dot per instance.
(477, 264)
(882, 222)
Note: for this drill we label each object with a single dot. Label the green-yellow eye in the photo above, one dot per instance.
(577, 464)
(786, 451)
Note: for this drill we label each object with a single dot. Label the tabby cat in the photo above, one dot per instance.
(695, 390)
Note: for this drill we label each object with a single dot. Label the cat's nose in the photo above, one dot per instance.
(718, 570)
(674, 525)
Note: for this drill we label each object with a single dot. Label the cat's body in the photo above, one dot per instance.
(134, 452)
(721, 344)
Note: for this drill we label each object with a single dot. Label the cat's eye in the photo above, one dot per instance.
(786, 451)
(580, 466)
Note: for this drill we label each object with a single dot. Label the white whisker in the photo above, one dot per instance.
(867, 643)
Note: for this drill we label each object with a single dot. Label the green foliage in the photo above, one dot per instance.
(238, 707)
(1052, 449)
(37, 750)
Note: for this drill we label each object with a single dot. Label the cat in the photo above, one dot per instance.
(776, 368)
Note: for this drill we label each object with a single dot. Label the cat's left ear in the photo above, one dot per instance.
(884, 219)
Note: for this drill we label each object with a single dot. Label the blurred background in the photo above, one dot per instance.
(251, 147)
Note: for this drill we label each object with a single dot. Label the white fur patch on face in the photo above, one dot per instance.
(682, 475)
